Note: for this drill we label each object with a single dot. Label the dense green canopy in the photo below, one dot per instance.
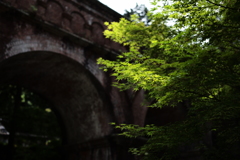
(195, 60)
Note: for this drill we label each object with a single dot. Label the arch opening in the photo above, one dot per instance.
(76, 96)
(29, 128)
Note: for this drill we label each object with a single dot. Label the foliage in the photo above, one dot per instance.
(195, 60)
(35, 126)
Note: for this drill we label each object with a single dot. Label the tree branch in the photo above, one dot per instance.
(221, 5)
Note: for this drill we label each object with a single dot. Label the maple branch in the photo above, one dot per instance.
(221, 5)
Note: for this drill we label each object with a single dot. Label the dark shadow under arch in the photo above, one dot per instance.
(29, 125)
(77, 97)
(166, 115)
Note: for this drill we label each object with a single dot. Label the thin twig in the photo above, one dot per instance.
(221, 5)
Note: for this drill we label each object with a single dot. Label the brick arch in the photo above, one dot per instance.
(54, 12)
(78, 24)
(50, 44)
(77, 97)
(97, 33)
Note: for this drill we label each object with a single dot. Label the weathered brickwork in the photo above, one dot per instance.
(81, 18)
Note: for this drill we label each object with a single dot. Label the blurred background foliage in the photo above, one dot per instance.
(34, 132)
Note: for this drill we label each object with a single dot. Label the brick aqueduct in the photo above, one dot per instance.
(51, 47)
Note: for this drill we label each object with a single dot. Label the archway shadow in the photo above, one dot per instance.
(29, 128)
(77, 98)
